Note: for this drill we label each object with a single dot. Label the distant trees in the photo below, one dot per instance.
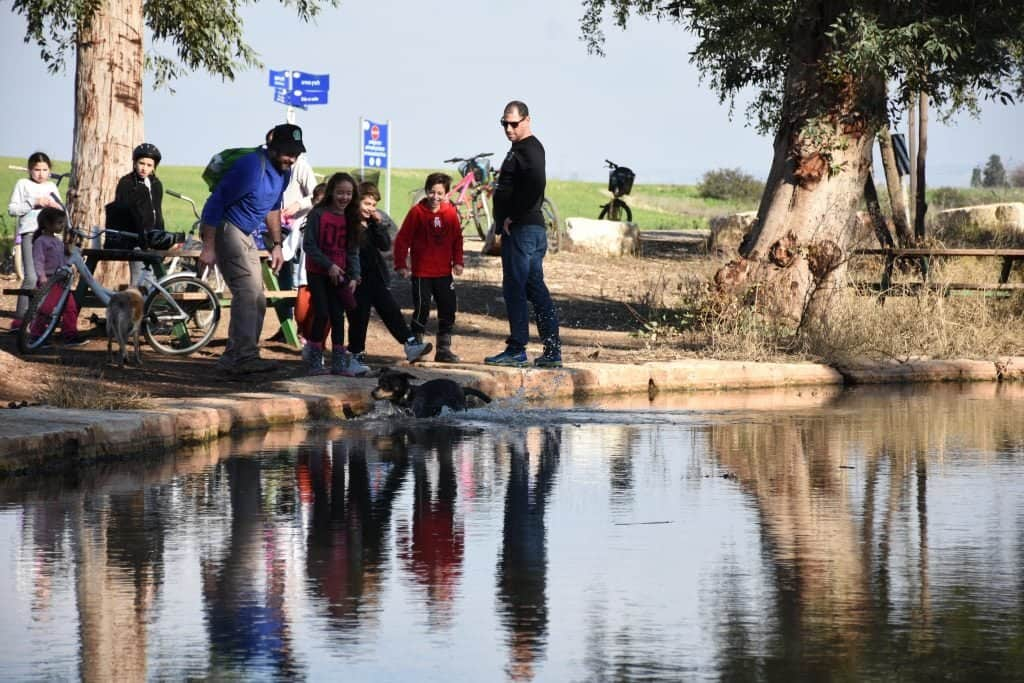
(994, 174)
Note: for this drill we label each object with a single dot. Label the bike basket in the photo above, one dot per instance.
(620, 181)
(480, 168)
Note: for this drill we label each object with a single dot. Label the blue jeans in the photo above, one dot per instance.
(522, 281)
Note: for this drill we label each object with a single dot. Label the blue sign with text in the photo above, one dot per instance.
(298, 88)
(375, 144)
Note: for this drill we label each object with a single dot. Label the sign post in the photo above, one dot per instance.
(375, 152)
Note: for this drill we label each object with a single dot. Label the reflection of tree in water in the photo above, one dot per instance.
(843, 502)
(347, 525)
(432, 550)
(244, 589)
(522, 567)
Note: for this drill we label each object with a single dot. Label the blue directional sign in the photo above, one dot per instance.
(375, 144)
(298, 88)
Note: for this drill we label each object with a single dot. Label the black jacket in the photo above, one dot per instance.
(376, 238)
(140, 207)
(521, 184)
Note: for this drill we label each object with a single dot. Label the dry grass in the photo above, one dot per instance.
(680, 309)
(68, 388)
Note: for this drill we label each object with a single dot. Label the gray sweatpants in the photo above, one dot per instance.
(239, 262)
(28, 266)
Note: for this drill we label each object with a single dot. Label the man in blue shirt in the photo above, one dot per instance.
(246, 198)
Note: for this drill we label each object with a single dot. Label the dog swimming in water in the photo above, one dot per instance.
(423, 400)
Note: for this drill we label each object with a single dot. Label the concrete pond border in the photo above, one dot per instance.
(44, 438)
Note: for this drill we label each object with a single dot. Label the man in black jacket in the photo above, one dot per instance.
(517, 213)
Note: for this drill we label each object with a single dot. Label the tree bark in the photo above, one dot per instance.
(794, 259)
(900, 215)
(922, 152)
(108, 113)
(912, 138)
(875, 211)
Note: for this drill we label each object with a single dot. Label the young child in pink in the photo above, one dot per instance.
(49, 252)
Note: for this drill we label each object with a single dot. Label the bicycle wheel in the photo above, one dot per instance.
(616, 210)
(481, 215)
(184, 319)
(551, 222)
(44, 312)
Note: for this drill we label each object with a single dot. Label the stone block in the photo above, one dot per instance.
(607, 238)
(728, 231)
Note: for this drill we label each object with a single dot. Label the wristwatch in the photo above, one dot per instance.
(276, 244)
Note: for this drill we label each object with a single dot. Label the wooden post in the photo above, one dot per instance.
(912, 137)
(900, 214)
(922, 153)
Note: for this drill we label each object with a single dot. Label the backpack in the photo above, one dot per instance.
(221, 162)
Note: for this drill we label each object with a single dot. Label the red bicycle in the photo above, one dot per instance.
(471, 195)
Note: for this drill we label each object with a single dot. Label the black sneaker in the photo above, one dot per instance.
(74, 341)
(548, 361)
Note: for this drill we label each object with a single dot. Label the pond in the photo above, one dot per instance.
(782, 535)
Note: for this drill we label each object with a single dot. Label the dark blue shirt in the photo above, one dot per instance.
(250, 189)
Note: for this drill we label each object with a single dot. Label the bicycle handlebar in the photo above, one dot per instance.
(481, 155)
(53, 176)
(185, 198)
(611, 164)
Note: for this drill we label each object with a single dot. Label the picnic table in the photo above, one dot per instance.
(885, 287)
(93, 257)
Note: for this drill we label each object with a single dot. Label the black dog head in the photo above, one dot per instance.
(393, 385)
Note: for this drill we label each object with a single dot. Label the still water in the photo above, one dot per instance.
(787, 535)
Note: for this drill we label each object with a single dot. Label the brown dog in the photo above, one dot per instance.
(124, 318)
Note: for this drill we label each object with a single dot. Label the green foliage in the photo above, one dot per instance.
(950, 50)
(203, 34)
(730, 183)
(976, 177)
(994, 174)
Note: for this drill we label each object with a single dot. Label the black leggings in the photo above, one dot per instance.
(373, 293)
(326, 308)
(442, 289)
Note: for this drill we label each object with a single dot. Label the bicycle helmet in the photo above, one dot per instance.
(148, 151)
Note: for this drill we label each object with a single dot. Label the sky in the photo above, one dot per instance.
(442, 74)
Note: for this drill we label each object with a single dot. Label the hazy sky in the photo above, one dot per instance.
(441, 74)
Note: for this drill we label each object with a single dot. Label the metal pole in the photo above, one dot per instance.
(391, 146)
(362, 124)
(289, 115)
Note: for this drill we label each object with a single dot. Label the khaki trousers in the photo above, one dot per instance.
(239, 262)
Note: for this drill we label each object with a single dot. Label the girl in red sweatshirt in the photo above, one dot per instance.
(432, 234)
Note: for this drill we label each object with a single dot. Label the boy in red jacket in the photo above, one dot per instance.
(432, 233)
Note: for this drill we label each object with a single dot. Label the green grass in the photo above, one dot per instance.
(655, 207)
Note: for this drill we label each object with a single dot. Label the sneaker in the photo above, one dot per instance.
(509, 358)
(253, 365)
(415, 350)
(548, 361)
(354, 368)
(74, 340)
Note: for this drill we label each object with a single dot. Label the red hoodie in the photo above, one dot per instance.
(434, 239)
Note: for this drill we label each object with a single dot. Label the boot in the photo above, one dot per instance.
(444, 350)
(314, 355)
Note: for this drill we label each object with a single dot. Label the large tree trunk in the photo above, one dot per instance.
(795, 255)
(900, 214)
(108, 112)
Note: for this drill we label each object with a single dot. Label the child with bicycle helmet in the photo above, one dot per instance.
(29, 197)
(138, 200)
(432, 235)
(50, 252)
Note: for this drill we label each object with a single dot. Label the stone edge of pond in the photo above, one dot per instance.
(35, 438)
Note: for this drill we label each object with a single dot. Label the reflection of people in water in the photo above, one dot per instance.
(433, 551)
(522, 568)
(243, 590)
(347, 527)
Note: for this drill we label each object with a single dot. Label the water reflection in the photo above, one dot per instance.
(851, 535)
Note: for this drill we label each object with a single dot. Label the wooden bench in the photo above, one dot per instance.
(923, 256)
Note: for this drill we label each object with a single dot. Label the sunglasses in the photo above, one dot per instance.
(510, 124)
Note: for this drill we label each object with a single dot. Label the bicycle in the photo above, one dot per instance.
(194, 242)
(470, 195)
(180, 312)
(620, 183)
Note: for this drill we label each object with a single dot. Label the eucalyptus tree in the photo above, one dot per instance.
(827, 76)
(106, 38)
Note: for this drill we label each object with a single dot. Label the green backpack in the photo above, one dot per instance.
(221, 162)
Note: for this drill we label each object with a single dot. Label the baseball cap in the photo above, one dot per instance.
(287, 138)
